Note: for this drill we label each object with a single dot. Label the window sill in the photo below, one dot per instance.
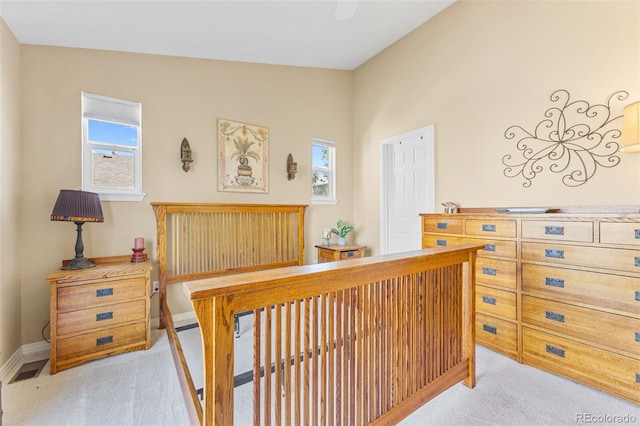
(112, 196)
(324, 202)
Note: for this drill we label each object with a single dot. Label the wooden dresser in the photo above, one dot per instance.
(559, 291)
(99, 311)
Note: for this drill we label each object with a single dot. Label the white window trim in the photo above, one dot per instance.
(118, 111)
(334, 199)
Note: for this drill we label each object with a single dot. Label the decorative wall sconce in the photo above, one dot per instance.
(631, 128)
(185, 155)
(292, 168)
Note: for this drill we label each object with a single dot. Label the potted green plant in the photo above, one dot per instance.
(341, 231)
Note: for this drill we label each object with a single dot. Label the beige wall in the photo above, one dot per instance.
(480, 67)
(474, 70)
(10, 164)
(180, 98)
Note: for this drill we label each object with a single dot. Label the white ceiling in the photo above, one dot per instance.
(295, 32)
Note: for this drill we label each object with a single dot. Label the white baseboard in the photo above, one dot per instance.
(25, 353)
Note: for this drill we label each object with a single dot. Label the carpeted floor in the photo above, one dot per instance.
(141, 388)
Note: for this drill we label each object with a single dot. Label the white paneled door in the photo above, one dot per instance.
(408, 188)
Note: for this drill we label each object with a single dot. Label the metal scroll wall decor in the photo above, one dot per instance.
(574, 139)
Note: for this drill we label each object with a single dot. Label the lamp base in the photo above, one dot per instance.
(78, 263)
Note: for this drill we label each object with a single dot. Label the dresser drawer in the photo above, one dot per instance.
(110, 339)
(99, 317)
(620, 233)
(350, 254)
(429, 240)
(501, 273)
(561, 231)
(490, 227)
(493, 248)
(75, 297)
(596, 257)
(497, 334)
(617, 374)
(496, 302)
(443, 225)
(599, 327)
(608, 291)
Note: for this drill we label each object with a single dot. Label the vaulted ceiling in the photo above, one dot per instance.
(326, 33)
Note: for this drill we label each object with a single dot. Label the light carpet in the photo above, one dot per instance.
(141, 388)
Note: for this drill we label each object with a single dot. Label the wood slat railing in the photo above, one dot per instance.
(364, 341)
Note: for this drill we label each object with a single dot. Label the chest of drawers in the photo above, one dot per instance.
(496, 271)
(558, 291)
(99, 311)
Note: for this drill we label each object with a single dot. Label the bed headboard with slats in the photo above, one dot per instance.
(206, 240)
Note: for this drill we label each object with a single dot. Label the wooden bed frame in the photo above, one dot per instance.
(363, 341)
(202, 240)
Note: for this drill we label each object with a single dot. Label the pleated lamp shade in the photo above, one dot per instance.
(77, 206)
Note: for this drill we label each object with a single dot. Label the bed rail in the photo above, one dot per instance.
(363, 341)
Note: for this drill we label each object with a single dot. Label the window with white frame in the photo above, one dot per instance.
(323, 172)
(111, 148)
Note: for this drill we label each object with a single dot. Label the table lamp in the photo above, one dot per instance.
(78, 207)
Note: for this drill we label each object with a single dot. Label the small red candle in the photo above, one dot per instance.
(139, 243)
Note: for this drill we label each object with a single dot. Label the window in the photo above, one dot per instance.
(111, 148)
(323, 175)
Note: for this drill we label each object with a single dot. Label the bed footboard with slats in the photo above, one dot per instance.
(204, 240)
(358, 342)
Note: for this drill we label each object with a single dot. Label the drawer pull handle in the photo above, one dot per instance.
(554, 316)
(104, 340)
(489, 300)
(637, 336)
(441, 242)
(637, 261)
(490, 247)
(442, 225)
(637, 234)
(104, 316)
(555, 351)
(104, 292)
(558, 254)
(489, 329)
(488, 228)
(638, 296)
(349, 254)
(488, 271)
(637, 377)
(554, 282)
(554, 230)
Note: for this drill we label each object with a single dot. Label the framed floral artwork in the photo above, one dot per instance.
(243, 160)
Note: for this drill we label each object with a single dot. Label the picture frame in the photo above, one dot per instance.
(243, 157)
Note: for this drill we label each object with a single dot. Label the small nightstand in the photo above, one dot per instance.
(335, 252)
(99, 311)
